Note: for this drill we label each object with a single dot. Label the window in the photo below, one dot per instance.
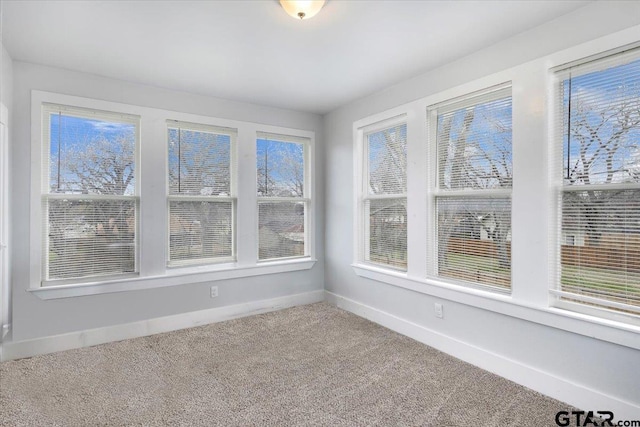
(473, 189)
(201, 194)
(599, 135)
(100, 225)
(384, 196)
(89, 193)
(575, 260)
(283, 196)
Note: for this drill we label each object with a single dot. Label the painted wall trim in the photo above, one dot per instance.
(595, 327)
(91, 337)
(535, 379)
(174, 277)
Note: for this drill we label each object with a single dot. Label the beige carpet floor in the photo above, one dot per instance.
(306, 366)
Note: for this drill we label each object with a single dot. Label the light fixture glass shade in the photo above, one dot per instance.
(302, 9)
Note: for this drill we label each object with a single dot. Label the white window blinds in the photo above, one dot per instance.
(473, 189)
(283, 196)
(89, 198)
(385, 196)
(201, 193)
(598, 127)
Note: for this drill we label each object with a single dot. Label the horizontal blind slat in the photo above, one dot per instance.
(282, 138)
(201, 127)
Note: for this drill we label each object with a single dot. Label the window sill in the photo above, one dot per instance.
(173, 277)
(606, 330)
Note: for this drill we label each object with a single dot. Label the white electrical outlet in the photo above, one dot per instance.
(214, 292)
(439, 313)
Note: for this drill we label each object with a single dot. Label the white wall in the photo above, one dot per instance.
(576, 368)
(6, 78)
(33, 317)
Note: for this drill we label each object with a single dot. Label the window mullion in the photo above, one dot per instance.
(247, 206)
(417, 189)
(153, 207)
(532, 204)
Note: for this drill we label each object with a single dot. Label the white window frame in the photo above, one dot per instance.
(558, 139)
(433, 111)
(534, 200)
(307, 144)
(5, 291)
(361, 178)
(46, 194)
(232, 197)
(153, 213)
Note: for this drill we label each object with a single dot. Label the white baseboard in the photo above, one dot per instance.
(28, 348)
(535, 379)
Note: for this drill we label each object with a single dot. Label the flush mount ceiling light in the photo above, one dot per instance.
(302, 9)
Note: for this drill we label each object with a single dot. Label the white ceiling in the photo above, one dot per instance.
(252, 51)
